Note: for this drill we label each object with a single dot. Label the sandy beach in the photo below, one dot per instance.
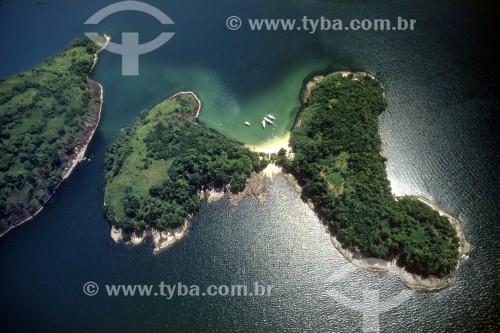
(273, 145)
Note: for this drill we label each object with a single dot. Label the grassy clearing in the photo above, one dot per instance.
(155, 168)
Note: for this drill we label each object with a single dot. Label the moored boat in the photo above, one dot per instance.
(268, 120)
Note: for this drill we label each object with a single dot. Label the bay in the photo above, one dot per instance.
(440, 135)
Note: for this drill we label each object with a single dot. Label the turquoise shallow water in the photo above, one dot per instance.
(439, 132)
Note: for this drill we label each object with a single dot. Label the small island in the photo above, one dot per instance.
(157, 169)
(336, 158)
(48, 115)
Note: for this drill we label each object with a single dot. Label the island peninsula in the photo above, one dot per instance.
(159, 167)
(48, 115)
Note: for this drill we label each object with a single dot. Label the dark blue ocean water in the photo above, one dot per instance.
(440, 134)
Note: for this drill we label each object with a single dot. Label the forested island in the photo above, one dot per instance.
(48, 115)
(156, 168)
(337, 159)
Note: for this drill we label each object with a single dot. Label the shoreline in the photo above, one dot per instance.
(432, 283)
(161, 239)
(464, 246)
(273, 145)
(188, 92)
(79, 151)
(413, 281)
(256, 187)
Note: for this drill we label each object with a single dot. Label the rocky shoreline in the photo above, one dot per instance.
(413, 281)
(377, 265)
(162, 239)
(256, 187)
(198, 108)
(91, 123)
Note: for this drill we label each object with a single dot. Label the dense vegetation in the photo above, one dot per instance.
(155, 168)
(42, 116)
(337, 158)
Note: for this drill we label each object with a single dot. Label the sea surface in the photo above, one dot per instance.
(440, 133)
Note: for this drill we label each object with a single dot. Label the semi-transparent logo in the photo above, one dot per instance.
(130, 49)
(371, 304)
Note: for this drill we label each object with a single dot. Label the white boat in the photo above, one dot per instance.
(263, 123)
(270, 116)
(247, 123)
(268, 120)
